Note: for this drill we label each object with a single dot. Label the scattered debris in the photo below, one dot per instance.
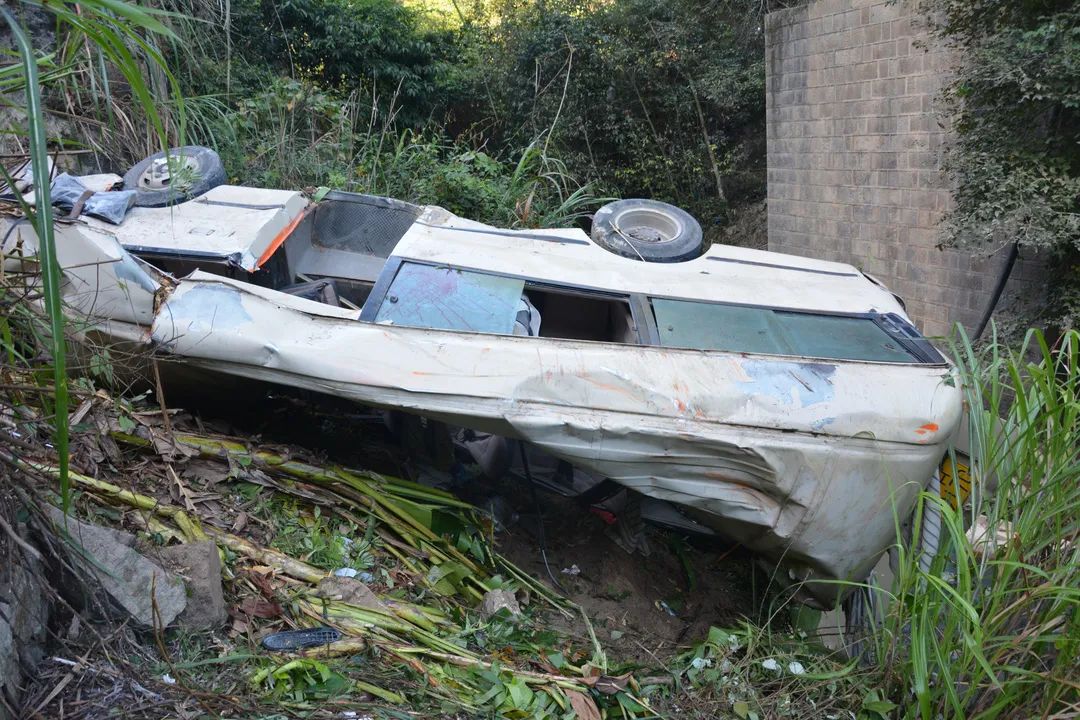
(497, 600)
(572, 570)
(351, 592)
(408, 621)
(428, 558)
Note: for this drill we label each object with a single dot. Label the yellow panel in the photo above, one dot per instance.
(955, 485)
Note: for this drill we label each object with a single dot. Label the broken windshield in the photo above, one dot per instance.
(736, 328)
(445, 298)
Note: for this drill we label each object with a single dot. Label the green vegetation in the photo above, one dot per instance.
(94, 39)
(523, 113)
(510, 112)
(1016, 107)
(990, 628)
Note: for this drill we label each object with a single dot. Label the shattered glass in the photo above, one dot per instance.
(443, 298)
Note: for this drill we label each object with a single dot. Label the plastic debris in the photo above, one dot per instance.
(361, 575)
(299, 639)
(108, 206)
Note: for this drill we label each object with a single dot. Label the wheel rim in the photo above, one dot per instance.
(159, 176)
(647, 225)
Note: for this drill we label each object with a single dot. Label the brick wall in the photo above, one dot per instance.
(854, 152)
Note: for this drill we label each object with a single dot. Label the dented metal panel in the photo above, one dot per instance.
(802, 460)
(102, 281)
(229, 223)
(723, 274)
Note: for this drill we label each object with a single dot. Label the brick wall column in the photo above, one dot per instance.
(855, 140)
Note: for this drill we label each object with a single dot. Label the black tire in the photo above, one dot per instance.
(648, 230)
(201, 170)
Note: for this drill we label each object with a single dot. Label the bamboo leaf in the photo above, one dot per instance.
(42, 217)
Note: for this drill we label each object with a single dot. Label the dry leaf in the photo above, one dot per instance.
(189, 502)
(255, 607)
(611, 684)
(583, 705)
(208, 472)
(239, 627)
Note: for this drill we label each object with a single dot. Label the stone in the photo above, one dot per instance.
(10, 672)
(199, 565)
(24, 615)
(496, 600)
(128, 579)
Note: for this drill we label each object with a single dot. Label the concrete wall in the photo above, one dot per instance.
(854, 152)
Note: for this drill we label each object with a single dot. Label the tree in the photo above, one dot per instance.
(1015, 163)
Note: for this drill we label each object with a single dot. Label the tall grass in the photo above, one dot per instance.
(294, 134)
(991, 627)
(95, 37)
(42, 218)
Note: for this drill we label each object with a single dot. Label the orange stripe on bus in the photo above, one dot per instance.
(280, 238)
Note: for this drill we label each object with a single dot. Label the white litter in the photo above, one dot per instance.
(168, 679)
(795, 668)
(770, 664)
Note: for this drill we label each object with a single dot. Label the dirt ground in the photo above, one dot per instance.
(645, 609)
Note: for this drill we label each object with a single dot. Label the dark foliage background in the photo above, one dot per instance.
(1015, 163)
(634, 98)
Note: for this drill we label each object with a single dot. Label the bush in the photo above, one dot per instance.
(662, 100)
(1016, 106)
(378, 46)
(295, 134)
(989, 629)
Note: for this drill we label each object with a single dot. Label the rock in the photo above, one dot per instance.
(24, 616)
(496, 600)
(199, 564)
(130, 581)
(10, 672)
(351, 591)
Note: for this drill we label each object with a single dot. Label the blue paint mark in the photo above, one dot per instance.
(819, 425)
(210, 306)
(810, 382)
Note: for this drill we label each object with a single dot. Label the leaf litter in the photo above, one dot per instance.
(412, 637)
(399, 569)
